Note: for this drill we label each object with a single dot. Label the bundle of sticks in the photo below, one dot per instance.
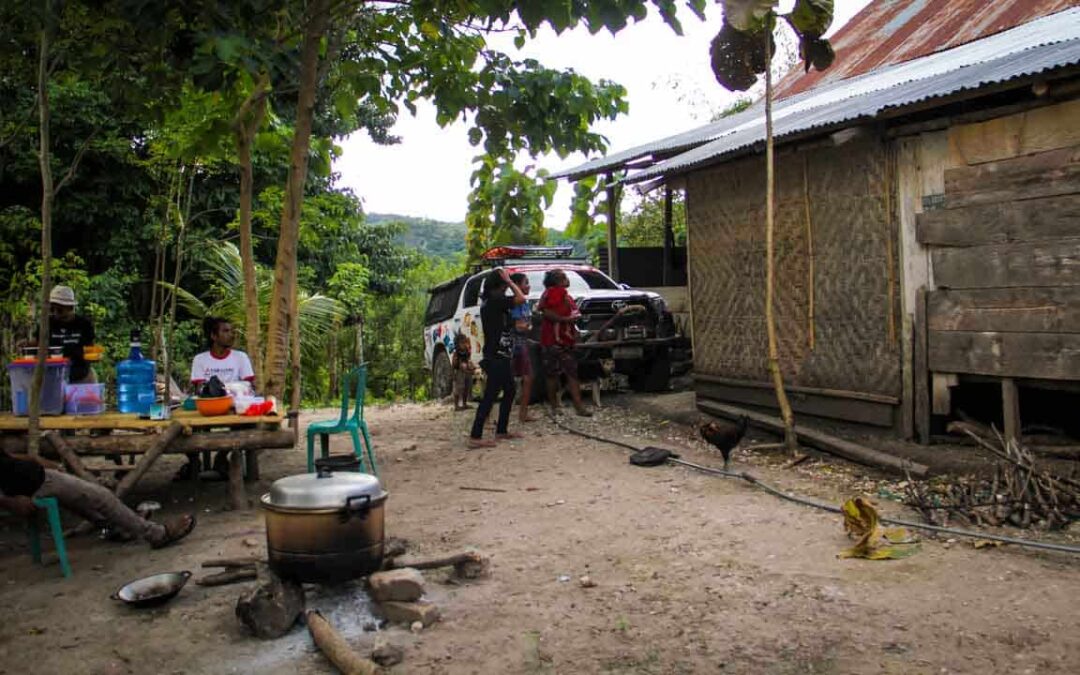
(1019, 493)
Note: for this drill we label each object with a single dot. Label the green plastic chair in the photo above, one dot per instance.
(52, 515)
(356, 383)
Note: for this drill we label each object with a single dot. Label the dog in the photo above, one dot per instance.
(592, 379)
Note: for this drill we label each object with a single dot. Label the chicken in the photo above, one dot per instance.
(724, 435)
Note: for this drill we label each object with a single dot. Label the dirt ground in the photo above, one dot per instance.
(693, 574)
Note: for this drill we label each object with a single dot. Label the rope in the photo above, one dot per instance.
(805, 501)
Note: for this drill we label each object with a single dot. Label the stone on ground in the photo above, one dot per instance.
(404, 585)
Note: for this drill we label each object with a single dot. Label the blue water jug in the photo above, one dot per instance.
(135, 380)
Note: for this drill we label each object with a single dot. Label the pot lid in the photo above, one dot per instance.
(323, 490)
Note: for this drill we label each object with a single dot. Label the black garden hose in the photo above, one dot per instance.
(805, 501)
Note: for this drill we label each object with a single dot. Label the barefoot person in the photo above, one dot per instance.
(498, 348)
(522, 317)
(558, 334)
(23, 479)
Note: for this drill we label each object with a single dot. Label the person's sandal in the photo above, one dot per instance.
(508, 436)
(176, 529)
(584, 412)
(475, 443)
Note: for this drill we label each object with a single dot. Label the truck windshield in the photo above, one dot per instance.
(581, 282)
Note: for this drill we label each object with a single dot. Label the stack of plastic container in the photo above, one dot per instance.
(21, 372)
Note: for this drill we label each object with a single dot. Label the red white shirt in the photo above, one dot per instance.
(234, 366)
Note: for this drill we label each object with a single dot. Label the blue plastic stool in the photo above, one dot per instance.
(354, 425)
(52, 514)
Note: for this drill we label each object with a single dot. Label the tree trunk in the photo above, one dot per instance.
(281, 314)
(770, 272)
(294, 343)
(247, 123)
(44, 161)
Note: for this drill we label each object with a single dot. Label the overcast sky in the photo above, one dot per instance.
(670, 88)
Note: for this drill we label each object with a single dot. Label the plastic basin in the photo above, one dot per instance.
(212, 407)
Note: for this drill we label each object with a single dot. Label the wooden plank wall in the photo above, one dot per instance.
(921, 163)
(1005, 249)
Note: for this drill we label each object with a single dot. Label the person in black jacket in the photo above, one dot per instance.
(498, 348)
(70, 333)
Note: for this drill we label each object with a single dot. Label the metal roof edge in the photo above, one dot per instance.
(875, 105)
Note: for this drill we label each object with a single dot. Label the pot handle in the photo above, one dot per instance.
(358, 505)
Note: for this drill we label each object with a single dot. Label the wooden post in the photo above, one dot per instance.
(920, 371)
(68, 455)
(612, 235)
(669, 237)
(151, 456)
(335, 648)
(1010, 403)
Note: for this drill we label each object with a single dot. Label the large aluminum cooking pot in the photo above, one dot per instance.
(325, 526)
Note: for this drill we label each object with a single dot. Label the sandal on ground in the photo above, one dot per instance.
(480, 443)
(584, 412)
(176, 529)
(509, 435)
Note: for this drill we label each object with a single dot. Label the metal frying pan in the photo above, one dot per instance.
(153, 590)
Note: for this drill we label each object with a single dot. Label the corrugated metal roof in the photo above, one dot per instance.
(1056, 27)
(668, 145)
(887, 32)
(1033, 48)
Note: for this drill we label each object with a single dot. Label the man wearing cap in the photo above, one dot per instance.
(71, 332)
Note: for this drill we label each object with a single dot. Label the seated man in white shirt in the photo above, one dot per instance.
(228, 365)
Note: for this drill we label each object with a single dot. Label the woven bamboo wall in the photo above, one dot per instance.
(856, 314)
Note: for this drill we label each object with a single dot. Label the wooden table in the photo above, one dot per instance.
(127, 434)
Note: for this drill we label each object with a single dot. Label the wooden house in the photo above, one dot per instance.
(927, 221)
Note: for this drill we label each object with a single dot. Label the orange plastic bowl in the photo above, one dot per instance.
(212, 407)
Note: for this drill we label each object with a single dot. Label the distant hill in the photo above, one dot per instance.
(441, 239)
(433, 237)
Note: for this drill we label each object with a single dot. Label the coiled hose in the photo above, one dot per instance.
(805, 501)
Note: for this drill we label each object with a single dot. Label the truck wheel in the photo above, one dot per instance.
(653, 374)
(442, 376)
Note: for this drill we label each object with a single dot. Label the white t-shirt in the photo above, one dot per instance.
(235, 366)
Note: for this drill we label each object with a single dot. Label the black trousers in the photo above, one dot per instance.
(500, 377)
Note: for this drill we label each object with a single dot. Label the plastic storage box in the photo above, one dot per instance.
(84, 399)
(21, 373)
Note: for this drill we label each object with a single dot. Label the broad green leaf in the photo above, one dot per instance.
(747, 15)
(817, 52)
(811, 17)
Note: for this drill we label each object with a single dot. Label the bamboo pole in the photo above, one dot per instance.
(811, 333)
(790, 440)
(44, 162)
(151, 456)
(890, 265)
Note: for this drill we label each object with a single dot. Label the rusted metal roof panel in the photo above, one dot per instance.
(963, 60)
(888, 32)
(1038, 47)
